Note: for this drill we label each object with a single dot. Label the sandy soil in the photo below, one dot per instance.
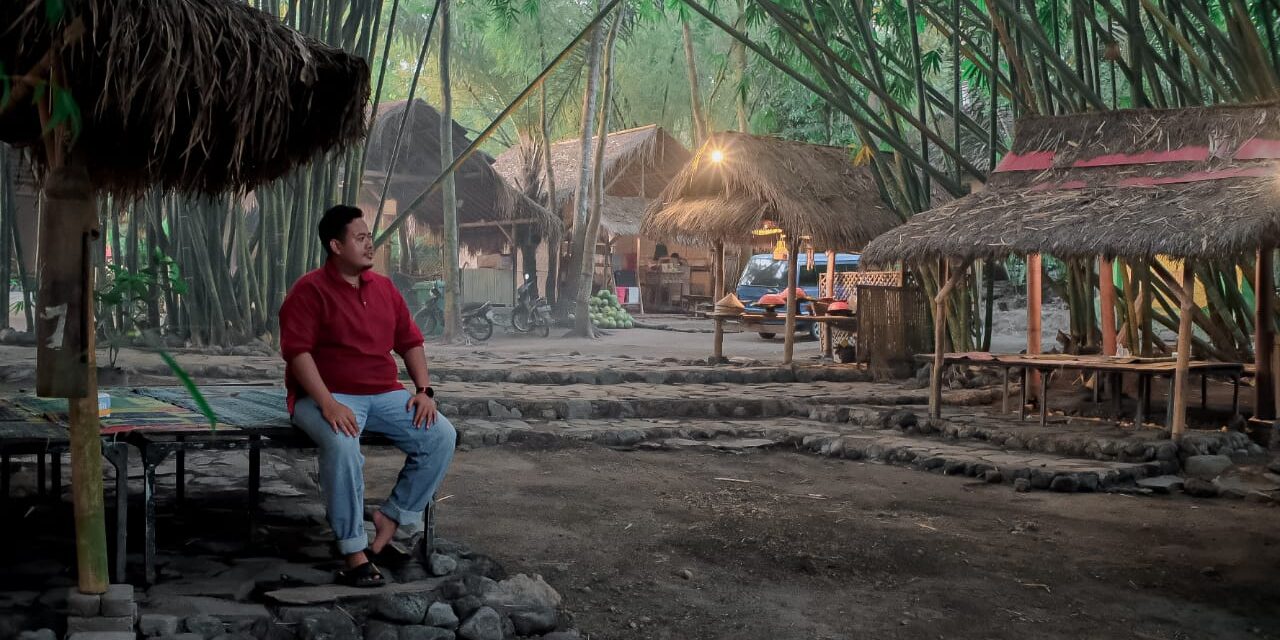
(817, 548)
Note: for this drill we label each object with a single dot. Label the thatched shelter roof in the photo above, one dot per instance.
(803, 189)
(483, 195)
(1199, 182)
(199, 96)
(638, 163)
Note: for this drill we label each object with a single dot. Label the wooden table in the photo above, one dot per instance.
(1114, 367)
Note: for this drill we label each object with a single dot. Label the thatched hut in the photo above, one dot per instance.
(738, 184)
(486, 203)
(199, 96)
(638, 164)
(1196, 184)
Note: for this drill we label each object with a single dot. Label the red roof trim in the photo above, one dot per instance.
(1034, 161)
(1185, 154)
(1259, 149)
(1202, 176)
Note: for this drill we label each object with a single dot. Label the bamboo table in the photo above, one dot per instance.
(39, 437)
(1115, 367)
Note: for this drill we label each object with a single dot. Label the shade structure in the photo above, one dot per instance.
(483, 195)
(736, 183)
(197, 96)
(1201, 184)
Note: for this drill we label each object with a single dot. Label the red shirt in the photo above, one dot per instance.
(349, 330)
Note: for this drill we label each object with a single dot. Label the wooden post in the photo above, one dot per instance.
(1034, 293)
(940, 335)
(1178, 403)
(1264, 403)
(830, 292)
(793, 277)
(1107, 291)
(66, 365)
(717, 292)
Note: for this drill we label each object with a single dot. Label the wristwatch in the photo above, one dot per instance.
(431, 393)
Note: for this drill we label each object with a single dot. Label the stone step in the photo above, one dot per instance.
(517, 373)
(1075, 437)
(542, 402)
(890, 446)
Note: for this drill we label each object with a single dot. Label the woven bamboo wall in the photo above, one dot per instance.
(847, 284)
(894, 325)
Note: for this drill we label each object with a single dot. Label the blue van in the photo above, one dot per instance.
(764, 275)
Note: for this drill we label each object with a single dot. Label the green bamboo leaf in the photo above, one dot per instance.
(54, 10)
(191, 388)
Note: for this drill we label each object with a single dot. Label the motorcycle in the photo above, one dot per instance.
(477, 317)
(531, 314)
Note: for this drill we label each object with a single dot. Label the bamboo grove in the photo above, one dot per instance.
(932, 85)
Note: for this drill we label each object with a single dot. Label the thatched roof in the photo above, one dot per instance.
(483, 195)
(1195, 182)
(621, 216)
(803, 189)
(638, 163)
(199, 96)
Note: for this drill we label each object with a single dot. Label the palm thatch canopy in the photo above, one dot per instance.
(803, 189)
(638, 163)
(198, 96)
(1198, 182)
(483, 195)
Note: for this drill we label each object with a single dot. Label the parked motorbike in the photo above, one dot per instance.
(477, 318)
(531, 314)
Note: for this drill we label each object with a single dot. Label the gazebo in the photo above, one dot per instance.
(738, 184)
(123, 96)
(1196, 184)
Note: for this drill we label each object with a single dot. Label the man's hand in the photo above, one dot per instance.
(340, 417)
(424, 410)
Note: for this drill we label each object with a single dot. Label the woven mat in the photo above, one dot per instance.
(237, 406)
(129, 412)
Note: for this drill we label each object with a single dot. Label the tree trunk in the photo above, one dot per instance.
(581, 251)
(582, 323)
(452, 276)
(738, 52)
(695, 96)
(553, 202)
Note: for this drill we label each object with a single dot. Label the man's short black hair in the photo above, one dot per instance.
(333, 225)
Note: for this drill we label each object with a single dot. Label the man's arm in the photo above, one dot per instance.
(299, 328)
(415, 361)
(338, 415)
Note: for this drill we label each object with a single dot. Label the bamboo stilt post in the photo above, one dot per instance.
(1264, 404)
(718, 288)
(1034, 293)
(1107, 291)
(793, 278)
(830, 293)
(940, 335)
(65, 359)
(1178, 403)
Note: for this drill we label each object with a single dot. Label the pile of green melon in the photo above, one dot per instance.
(607, 313)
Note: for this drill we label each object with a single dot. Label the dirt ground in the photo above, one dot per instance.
(810, 547)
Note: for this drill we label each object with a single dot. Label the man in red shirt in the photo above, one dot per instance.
(338, 327)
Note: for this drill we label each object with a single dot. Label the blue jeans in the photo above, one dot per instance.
(428, 451)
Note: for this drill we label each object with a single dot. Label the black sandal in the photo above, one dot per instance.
(392, 554)
(365, 576)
